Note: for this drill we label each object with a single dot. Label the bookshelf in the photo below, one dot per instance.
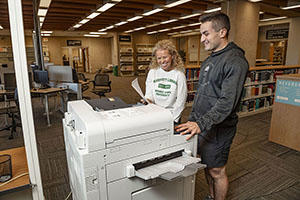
(143, 57)
(126, 59)
(6, 54)
(192, 77)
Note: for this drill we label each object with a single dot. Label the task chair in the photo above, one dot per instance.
(101, 85)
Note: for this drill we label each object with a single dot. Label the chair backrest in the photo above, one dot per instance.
(81, 76)
(102, 80)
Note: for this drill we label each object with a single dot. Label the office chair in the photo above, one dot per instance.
(12, 111)
(101, 85)
(81, 77)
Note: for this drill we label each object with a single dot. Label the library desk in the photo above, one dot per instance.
(19, 188)
(45, 92)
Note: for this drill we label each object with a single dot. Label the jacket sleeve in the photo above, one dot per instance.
(181, 97)
(149, 86)
(231, 88)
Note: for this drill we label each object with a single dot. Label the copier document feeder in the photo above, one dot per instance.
(128, 154)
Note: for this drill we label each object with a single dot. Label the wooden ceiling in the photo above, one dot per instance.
(64, 14)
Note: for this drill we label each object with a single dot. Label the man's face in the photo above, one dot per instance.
(209, 37)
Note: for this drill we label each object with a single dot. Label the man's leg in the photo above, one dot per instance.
(210, 182)
(220, 182)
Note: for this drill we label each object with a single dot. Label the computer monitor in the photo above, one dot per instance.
(41, 77)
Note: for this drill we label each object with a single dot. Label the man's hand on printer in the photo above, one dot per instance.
(188, 127)
(146, 102)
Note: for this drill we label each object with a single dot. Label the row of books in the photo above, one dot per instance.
(190, 97)
(266, 75)
(192, 73)
(256, 104)
(192, 86)
(252, 91)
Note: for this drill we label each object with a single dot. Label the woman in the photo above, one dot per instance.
(166, 82)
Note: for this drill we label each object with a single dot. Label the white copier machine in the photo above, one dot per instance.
(127, 154)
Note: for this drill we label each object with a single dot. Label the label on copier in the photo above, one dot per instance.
(170, 169)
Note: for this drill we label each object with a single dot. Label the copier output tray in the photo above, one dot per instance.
(182, 166)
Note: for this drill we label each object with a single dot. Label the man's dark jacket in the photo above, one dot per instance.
(221, 81)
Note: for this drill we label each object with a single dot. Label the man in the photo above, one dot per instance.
(213, 115)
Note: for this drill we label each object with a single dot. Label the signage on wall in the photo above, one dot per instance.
(124, 38)
(73, 42)
(277, 34)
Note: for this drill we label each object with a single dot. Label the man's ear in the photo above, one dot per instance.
(223, 32)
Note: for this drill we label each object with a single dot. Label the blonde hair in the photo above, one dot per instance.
(167, 45)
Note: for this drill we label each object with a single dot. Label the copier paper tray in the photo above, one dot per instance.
(182, 166)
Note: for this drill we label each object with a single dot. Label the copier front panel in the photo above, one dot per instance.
(128, 153)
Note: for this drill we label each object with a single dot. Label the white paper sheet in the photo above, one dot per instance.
(136, 86)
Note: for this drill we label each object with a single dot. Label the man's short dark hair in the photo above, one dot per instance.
(219, 20)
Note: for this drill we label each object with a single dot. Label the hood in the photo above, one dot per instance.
(230, 46)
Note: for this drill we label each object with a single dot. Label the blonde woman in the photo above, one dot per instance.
(166, 82)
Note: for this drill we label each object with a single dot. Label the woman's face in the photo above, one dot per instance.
(164, 59)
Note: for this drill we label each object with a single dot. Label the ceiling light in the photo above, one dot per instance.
(261, 12)
(163, 30)
(149, 33)
(84, 21)
(77, 25)
(271, 19)
(105, 7)
(141, 28)
(173, 33)
(129, 31)
(186, 31)
(116, 0)
(121, 23)
(290, 7)
(41, 24)
(45, 3)
(169, 21)
(42, 11)
(45, 34)
(152, 11)
(49, 32)
(109, 27)
(101, 30)
(134, 18)
(255, 1)
(98, 33)
(189, 16)
(1, 27)
(88, 35)
(178, 27)
(176, 3)
(151, 25)
(42, 19)
(195, 24)
(213, 10)
(93, 15)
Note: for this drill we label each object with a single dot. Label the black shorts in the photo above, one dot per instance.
(214, 149)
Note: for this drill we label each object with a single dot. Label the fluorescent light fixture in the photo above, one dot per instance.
(152, 32)
(169, 21)
(173, 33)
(255, 1)
(116, 0)
(49, 32)
(84, 21)
(101, 30)
(163, 30)
(134, 18)
(261, 12)
(42, 19)
(129, 31)
(152, 12)
(195, 24)
(151, 25)
(121, 23)
(88, 35)
(178, 27)
(41, 24)
(93, 15)
(105, 7)
(45, 34)
(45, 3)
(213, 10)
(138, 29)
(1, 27)
(98, 33)
(189, 16)
(42, 11)
(77, 25)
(290, 7)
(271, 19)
(186, 31)
(109, 27)
(176, 3)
